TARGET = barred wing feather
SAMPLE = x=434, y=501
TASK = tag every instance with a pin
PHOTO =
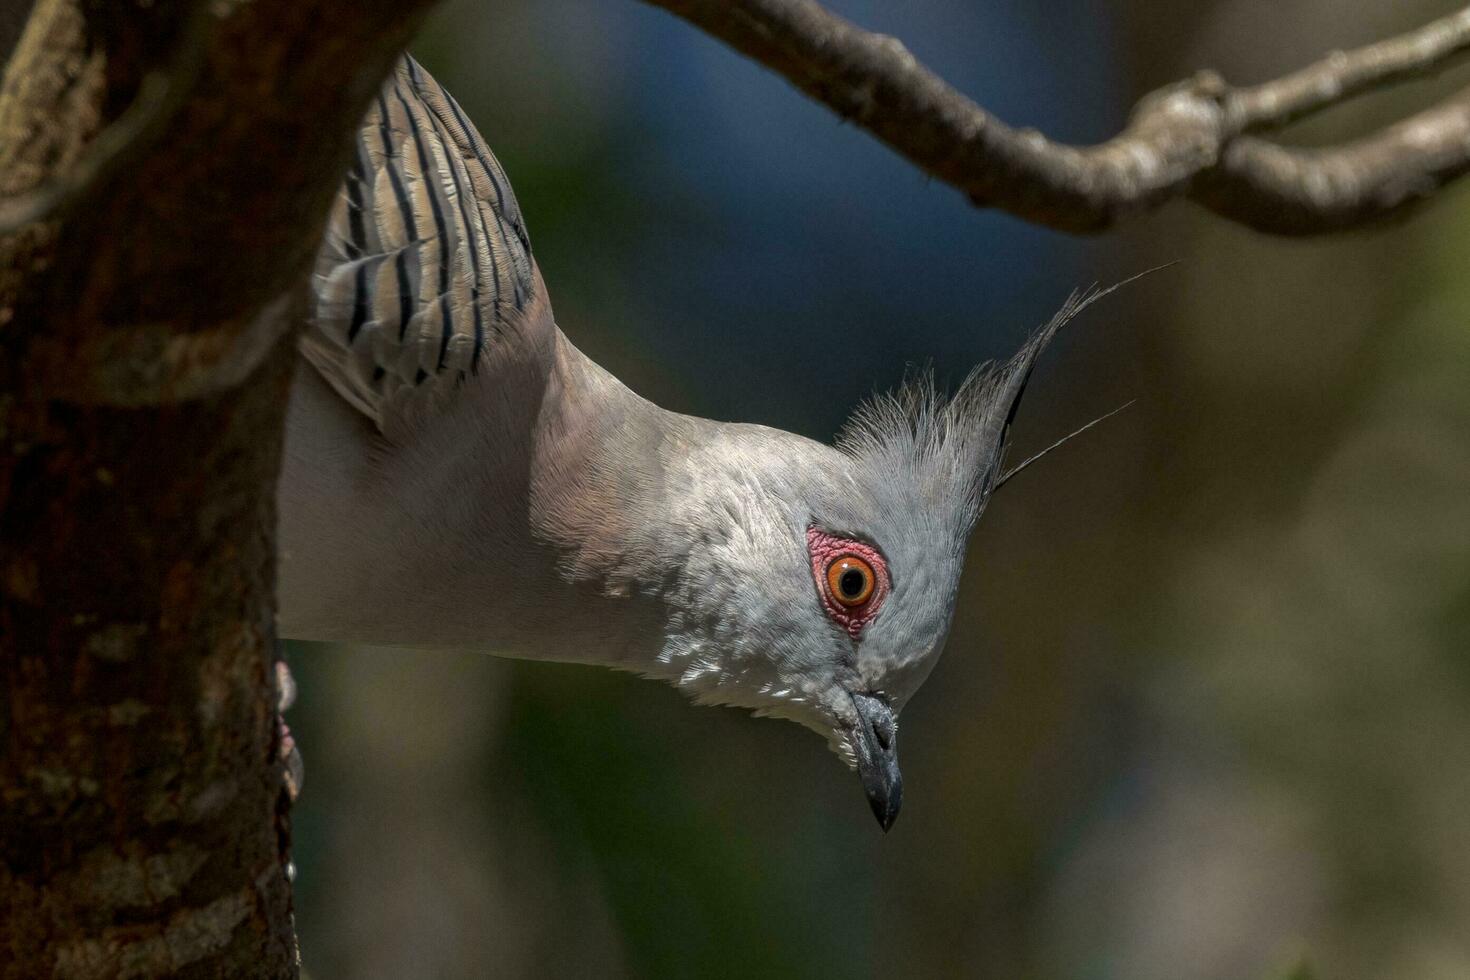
x=425, y=259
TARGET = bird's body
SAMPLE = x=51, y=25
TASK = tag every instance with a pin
x=432, y=392
x=458, y=474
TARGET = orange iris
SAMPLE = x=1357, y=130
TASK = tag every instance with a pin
x=850, y=580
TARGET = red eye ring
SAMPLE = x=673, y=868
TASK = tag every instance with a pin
x=852, y=604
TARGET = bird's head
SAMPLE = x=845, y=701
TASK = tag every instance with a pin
x=818, y=583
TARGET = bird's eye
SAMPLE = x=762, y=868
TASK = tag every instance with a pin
x=851, y=577
x=851, y=580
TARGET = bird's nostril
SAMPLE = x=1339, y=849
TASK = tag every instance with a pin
x=876, y=716
x=885, y=736
x=883, y=725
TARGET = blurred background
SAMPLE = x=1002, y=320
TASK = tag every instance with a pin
x=1205, y=709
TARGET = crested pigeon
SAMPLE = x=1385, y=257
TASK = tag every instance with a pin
x=458, y=475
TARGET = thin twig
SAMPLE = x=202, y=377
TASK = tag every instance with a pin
x=1188, y=140
x=1293, y=191
x=1343, y=75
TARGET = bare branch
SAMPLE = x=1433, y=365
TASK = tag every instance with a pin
x=1293, y=191
x=1187, y=140
x=1341, y=75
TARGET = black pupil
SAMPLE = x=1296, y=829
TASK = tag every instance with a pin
x=851, y=583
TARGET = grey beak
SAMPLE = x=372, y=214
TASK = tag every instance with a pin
x=875, y=742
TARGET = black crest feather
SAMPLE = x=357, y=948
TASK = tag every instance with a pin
x=954, y=445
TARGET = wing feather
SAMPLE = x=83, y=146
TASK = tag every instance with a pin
x=425, y=256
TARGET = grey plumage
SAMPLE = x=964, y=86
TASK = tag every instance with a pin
x=459, y=475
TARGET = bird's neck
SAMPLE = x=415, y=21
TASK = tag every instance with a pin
x=606, y=491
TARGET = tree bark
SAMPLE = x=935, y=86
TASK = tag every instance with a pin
x=145, y=350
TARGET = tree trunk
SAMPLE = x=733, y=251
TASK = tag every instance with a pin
x=145, y=350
